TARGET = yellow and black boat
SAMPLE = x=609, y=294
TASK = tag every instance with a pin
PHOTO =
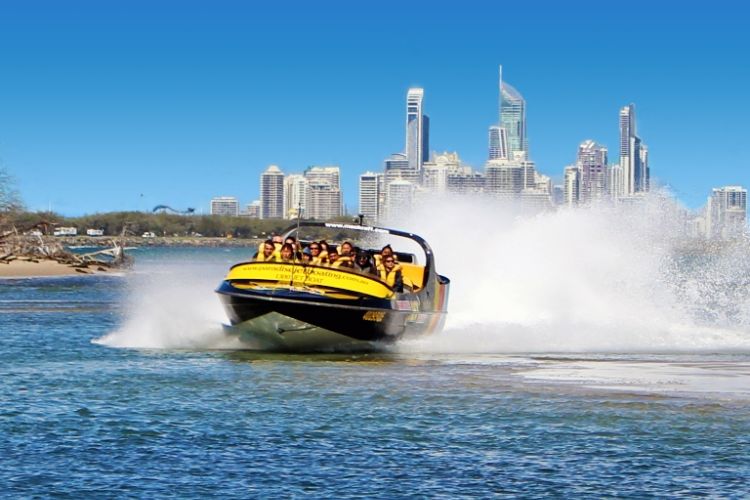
x=306, y=307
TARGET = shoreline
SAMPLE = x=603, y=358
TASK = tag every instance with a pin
x=158, y=241
x=48, y=268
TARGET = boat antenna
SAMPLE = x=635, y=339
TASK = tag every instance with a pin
x=294, y=255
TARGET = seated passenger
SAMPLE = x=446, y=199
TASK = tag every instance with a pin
x=295, y=245
x=268, y=252
x=346, y=249
x=306, y=256
x=333, y=256
x=385, y=251
x=390, y=272
x=323, y=250
x=336, y=260
x=363, y=263
x=287, y=253
x=316, y=257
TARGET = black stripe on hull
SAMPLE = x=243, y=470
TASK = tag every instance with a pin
x=367, y=320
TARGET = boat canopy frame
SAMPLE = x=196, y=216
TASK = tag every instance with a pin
x=429, y=259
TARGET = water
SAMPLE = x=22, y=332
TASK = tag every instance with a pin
x=127, y=386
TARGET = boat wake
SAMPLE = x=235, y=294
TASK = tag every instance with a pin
x=604, y=280
x=598, y=280
x=173, y=306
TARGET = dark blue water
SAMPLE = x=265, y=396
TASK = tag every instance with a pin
x=83, y=418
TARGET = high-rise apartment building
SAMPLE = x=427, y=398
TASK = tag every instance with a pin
x=272, y=193
x=225, y=205
x=417, y=130
x=592, y=165
x=324, y=201
x=504, y=179
x=633, y=155
x=369, y=196
x=572, y=185
x=726, y=212
x=295, y=196
x=324, y=198
x=400, y=198
x=513, y=117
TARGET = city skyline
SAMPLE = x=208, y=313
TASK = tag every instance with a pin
x=148, y=104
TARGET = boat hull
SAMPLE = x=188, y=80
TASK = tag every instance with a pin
x=287, y=319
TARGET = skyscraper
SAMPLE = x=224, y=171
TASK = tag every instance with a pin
x=498, y=143
x=295, y=196
x=727, y=212
x=272, y=193
x=324, y=198
x=592, y=164
x=633, y=155
x=571, y=185
x=369, y=196
x=513, y=117
x=417, y=130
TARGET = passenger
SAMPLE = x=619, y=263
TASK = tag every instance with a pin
x=333, y=256
x=287, y=253
x=277, y=242
x=323, y=250
x=385, y=251
x=344, y=260
x=306, y=256
x=316, y=258
x=390, y=272
x=363, y=263
x=346, y=249
x=268, y=252
x=295, y=245
x=337, y=260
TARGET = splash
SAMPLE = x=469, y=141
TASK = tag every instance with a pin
x=599, y=280
x=605, y=279
x=173, y=306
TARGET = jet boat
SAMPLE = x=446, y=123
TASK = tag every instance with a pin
x=304, y=307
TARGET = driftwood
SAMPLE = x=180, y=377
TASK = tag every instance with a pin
x=35, y=248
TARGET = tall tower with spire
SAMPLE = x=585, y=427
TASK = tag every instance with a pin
x=512, y=117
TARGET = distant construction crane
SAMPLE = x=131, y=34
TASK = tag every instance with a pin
x=164, y=209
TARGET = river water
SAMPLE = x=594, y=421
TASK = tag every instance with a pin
x=127, y=386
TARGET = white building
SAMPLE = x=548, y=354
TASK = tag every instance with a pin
x=369, y=196
x=592, y=167
x=726, y=212
x=272, y=193
x=417, y=130
x=324, y=201
x=324, y=198
x=571, y=185
x=400, y=198
x=225, y=205
x=295, y=195
x=252, y=210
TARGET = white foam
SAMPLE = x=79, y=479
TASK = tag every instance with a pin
x=585, y=280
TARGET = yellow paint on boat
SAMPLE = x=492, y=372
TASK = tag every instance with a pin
x=283, y=274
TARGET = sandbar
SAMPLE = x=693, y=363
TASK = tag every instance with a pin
x=43, y=268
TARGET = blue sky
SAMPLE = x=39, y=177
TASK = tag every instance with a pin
x=124, y=105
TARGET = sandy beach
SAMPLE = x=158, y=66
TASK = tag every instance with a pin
x=42, y=268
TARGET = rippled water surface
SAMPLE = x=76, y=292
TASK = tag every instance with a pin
x=81, y=415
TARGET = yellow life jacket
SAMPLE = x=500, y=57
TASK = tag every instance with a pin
x=343, y=262
x=275, y=256
x=389, y=277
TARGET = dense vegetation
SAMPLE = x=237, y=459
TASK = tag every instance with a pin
x=137, y=223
